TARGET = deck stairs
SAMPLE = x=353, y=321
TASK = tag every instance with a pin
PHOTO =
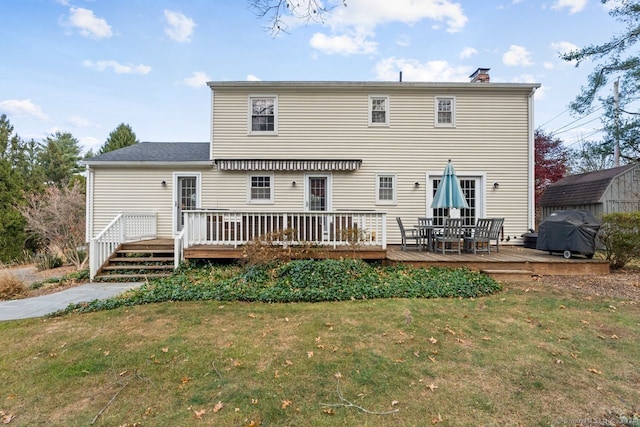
x=138, y=261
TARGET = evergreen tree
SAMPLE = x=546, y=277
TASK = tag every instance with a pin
x=617, y=59
x=12, y=224
x=59, y=158
x=120, y=137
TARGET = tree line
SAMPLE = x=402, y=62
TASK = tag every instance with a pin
x=42, y=192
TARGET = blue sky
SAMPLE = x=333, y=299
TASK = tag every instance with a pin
x=85, y=66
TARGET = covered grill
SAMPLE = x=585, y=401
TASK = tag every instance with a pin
x=568, y=232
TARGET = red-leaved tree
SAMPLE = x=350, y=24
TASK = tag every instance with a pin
x=551, y=159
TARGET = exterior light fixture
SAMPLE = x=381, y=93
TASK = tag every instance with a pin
x=496, y=185
x=416, y=184
x=293, y=183
x=164, y=183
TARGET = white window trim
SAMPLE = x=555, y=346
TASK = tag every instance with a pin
x=387, y=112
x=250, y=111
x=395, y=189
x=453, y=111
x=271, y=199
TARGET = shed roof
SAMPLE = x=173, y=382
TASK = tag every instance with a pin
x=582, y=189
x=155, y=152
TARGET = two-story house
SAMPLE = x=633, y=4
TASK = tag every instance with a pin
x=323, y=148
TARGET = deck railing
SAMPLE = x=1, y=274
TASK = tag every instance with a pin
x=126, y=227
x=339, y=228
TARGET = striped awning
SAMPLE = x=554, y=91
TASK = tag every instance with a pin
x=288, y=164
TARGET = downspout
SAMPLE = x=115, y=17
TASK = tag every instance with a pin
x=532, y=177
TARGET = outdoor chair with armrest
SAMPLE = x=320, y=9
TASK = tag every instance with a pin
x=452, y=235
x=494, y=233
x=409, y=234
x=479, y=240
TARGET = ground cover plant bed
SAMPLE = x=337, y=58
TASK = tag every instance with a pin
x=534, y=354
x=302, y=281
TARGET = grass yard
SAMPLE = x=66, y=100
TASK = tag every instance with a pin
x=529, y=355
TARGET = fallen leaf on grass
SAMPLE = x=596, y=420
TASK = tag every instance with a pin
x=309, y=354
x=394, y=403
x=595, y=371
x=199, y=414
x=436, y=420
x=165, y=349
x=217, y=406
x=328, y=411
x=285, y=404
x=251, y=315
x=6, y=418
x=432, y=387
x=288, y=362
x=433, y=340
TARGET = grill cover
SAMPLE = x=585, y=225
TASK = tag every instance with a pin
x=571, y=230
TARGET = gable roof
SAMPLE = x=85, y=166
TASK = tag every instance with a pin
x=155, y=153
x=582, y=189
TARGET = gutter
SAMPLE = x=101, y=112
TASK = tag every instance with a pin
x=532, y=178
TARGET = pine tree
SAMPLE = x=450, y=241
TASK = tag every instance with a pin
x=120, y=137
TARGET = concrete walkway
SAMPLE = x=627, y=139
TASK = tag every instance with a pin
x=46, y=304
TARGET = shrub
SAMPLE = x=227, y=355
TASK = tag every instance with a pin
x=10, y=286
x=620, y=235
x=303, y=281
x=45, y=261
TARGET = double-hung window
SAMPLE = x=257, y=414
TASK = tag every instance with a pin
x=445, y=107
x=378, y=110
x=263, y=112
x=385, y=189
x=261, y=189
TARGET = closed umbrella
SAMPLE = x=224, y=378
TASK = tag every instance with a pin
x=449, y=193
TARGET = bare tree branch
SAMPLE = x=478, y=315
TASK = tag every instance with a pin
x=276, y=12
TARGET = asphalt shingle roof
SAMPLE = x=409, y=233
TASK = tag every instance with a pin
x=582, y=189
x=157, y=152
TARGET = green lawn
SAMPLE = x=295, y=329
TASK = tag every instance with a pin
x=528, y=355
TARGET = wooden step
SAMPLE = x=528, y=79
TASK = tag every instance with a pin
x=130, y=277
x=506, y=275
x=142, y=259
x=139, y=267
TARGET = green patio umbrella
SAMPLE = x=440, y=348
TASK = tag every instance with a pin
x=449, y=193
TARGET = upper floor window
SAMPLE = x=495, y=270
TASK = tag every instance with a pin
x=379, y=110
x=264, y=111
x=261, y=188
x=445, y=111
x=385, y=189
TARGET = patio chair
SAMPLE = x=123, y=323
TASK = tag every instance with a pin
x=451, y=236
x=409, y=234
x=425, y=228
x=494, y=233
x=479, y=240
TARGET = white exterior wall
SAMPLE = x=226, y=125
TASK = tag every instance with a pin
x=131, y=189
x=491, y=140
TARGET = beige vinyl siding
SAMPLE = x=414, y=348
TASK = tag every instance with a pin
x=491, y=137
x=119, y=190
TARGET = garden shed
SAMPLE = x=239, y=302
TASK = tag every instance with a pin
x=600, y=192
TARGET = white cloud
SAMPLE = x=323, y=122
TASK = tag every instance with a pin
x=574, y=6
x=79, y=122
x=252, y=78
x=517, y=56
x=179, y=28
x=468, y=52
x=24, y=107
x=344, y=44
x=117, y=67
x=371, y=13
x=563, y=47
x=413, y=70
x=403, y=41
x=197, y=79
x=88, y=24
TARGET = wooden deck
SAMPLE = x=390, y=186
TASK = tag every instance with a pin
x=512, y=263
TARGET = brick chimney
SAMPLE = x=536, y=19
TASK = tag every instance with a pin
x=481, y=75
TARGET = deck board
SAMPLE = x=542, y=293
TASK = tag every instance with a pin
x=528, y=262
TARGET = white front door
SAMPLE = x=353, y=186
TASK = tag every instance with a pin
x=187, y=197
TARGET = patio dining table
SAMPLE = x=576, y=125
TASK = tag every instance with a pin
x=428, y=232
